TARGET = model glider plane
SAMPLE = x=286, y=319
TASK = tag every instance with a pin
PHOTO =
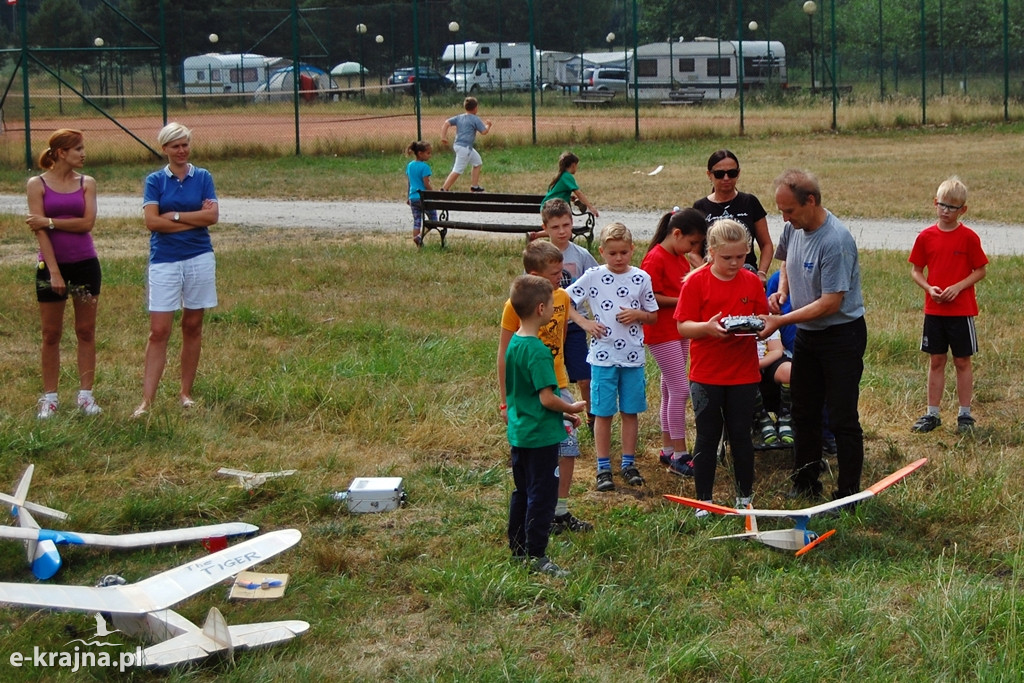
x=41, y=544
x=143, y=609
x=799, y=538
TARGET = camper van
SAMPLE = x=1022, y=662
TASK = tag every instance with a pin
x=708, y=66
x=488, y=66
x=224, y=73
x=764, y=63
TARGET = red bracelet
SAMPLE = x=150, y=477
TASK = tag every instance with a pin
x=503, y=406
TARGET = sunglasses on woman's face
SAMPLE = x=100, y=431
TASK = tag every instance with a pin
x=732, y=173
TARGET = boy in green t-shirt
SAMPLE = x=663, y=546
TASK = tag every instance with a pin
x=535, y=426
x=544, y=259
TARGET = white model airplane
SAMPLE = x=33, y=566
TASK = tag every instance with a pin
x=799, y=538
x=143, y=609
x=250, y=480
x=41, y=544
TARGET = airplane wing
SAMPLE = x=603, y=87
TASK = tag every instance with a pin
x=266, y=633
x=157, y=592
x=803, y=512
x=138, y=540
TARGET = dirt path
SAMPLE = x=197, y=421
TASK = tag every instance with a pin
x=394, y=217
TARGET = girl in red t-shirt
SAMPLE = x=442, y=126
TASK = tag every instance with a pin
x=679, y=233
x=724, y=372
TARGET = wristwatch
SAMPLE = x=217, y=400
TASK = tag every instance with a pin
x=50, y=226
x=177, y=217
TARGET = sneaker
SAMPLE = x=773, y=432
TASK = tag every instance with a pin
x=476, y=188
x=682, y=467
x=88, y=406
x=605, y=481
x=828, y=445
x=665, y=459
x=632, y=475
x=568, y=522
x=417, y=240
x=701, y=514
x=47, y=408
x=542, y=565
x=767, y=429
x=743, y=502
x=786, y=429
x=927, y=423
x=964, y=424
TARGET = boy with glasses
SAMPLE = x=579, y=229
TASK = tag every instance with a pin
x=951, y=254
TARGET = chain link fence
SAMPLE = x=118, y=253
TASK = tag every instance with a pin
x=232, y=76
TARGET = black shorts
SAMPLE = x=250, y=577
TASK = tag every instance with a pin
x=954, y=333
x=82, y=279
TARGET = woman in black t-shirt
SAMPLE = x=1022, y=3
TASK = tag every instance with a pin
x=725, y=201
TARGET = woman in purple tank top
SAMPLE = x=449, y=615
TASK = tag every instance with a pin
x=61, y=213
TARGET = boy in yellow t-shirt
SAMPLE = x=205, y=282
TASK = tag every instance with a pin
x=545, y=260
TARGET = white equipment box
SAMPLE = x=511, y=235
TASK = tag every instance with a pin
x=375, y=494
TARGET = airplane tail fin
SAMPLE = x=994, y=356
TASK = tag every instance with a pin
x=751, y=522
x=18, y=502
x=216, y=629
x=21, y=492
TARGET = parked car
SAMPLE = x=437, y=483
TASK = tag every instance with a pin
x=431, y=82
x=605, y=78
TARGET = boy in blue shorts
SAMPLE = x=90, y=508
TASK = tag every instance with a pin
x=535, y=414
x=951, y=253
x=621, y=299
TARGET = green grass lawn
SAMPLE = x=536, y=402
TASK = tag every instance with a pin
x=346, y=356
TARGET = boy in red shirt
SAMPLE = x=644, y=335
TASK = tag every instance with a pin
x=952, y=255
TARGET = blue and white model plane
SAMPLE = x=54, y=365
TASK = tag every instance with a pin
x=41, y=544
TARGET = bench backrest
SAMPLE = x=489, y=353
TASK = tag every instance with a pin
x=492, y=202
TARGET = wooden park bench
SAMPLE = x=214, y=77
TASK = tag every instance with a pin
x=592, y=98
x=446, y=203
x=684, y=96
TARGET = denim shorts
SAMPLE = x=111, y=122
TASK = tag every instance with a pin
x=616, y=389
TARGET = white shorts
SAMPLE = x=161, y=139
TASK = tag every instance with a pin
x=191, y=284
x=466, y=156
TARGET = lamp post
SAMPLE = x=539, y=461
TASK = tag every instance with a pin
x=380, y=60
x=810, y=7
x=98, y=42
x=453, y=27
x=361, y=30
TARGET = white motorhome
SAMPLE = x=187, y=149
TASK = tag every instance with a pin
x=214, y=73
x=489, y=66
x=707, y=65
x=764, y=63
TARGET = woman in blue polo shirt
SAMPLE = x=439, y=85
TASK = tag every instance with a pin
x=179, y=204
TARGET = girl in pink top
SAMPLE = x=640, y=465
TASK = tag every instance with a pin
x=61, y=213
x=678, y=234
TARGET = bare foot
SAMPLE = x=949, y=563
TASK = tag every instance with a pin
x=187, y=402
x=141, y=410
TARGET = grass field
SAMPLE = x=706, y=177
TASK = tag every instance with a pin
x=345, y=356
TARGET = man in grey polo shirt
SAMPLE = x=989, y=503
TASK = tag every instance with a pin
x=820, y=276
